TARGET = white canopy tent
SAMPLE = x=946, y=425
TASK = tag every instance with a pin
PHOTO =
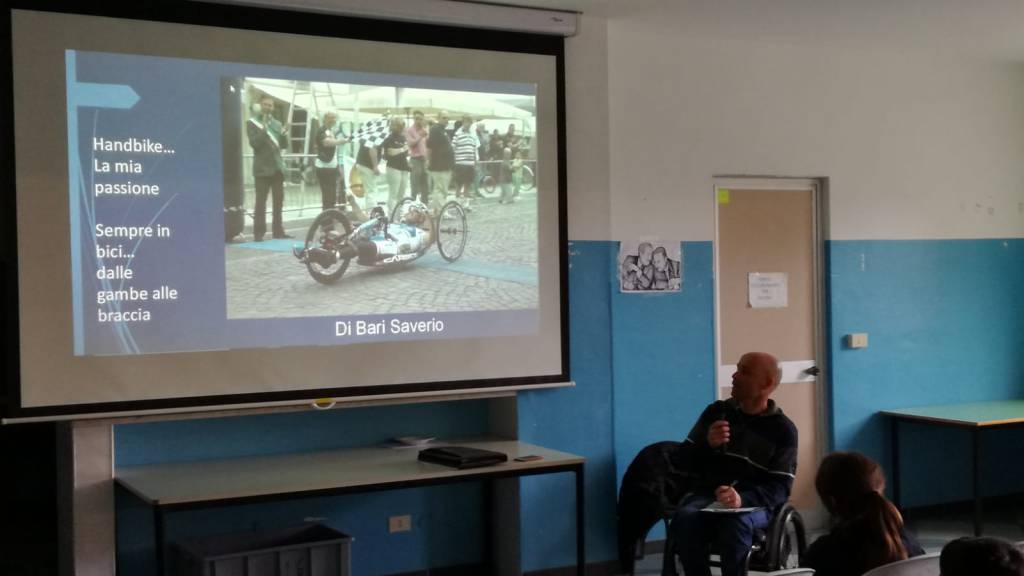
x=359, y=103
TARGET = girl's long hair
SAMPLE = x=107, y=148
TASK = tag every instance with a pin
x=851, y=486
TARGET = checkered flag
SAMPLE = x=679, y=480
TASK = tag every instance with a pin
x=373, y=132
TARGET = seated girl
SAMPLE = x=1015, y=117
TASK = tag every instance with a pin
x=868, y=530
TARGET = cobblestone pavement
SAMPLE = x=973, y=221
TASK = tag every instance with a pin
x=497, y=271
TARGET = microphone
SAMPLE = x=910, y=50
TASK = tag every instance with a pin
x=723, y=415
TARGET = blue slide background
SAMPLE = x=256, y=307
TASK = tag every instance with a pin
x=178, y=105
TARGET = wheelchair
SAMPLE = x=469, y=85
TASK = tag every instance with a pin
x=780, y=546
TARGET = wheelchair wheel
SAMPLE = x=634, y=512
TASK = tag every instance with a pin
x=529, y=180
x=327, y=234
x=452, y=231
x=787, y=540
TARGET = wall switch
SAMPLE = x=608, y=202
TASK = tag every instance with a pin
x=399, y=523
x=858, y=340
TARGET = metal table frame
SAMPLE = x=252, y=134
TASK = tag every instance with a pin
x=974, y=417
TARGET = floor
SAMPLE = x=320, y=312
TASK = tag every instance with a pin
x=933, y=527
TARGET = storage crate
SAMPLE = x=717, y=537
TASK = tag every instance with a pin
x=311, y=550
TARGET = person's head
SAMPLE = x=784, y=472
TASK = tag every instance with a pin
x=442, y=119
x=467, y=122
x=851, y=487
x=416, y=214
x=644, y=253
x=756, y=377
x=330, y=119
x=506, y=153
x=397, y=125
x=511, y=129
x=982, y=555
x=266, y=104
x=417, y=117
x=660, y=258
x=844, y=479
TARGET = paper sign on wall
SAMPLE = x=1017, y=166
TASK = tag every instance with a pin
x=768, y=289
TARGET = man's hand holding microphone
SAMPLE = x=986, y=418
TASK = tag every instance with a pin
x=718, y=437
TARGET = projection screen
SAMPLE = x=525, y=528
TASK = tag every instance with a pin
x=236, y=205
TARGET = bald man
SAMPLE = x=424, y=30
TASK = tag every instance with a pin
x=745, y=456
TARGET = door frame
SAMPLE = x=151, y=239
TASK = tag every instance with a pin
x=819, y=219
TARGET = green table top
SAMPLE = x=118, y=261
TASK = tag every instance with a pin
x=980, y=414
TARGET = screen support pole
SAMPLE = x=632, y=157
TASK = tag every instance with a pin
x=85, y=469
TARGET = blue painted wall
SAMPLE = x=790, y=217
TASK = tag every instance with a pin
x=577, y=420
x=664, y=358
x=945, y=320
x=189, y=440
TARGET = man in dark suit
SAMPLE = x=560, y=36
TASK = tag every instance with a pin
x=267, y=137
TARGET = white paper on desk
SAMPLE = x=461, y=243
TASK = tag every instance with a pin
x=718, y=508
x=408, y=442
x=414, y=440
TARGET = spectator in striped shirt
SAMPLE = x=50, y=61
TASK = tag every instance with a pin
x=465, y=146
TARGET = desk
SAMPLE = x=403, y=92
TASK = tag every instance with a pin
x=974, y=417
x=189, y=485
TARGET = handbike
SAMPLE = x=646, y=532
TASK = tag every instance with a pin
x=332, y=242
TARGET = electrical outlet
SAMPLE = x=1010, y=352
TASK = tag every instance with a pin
x=859, y=340
x=399, y=523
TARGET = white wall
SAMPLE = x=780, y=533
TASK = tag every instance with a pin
x=920, y=136
x=586, y=96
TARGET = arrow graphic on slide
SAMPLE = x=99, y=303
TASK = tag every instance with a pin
x=84, y=95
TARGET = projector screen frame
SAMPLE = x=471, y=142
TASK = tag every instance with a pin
x=275, y=21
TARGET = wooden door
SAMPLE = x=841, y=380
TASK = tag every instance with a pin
x=768, y=272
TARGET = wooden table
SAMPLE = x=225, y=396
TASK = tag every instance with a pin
x=190, y=485
x=974, y=417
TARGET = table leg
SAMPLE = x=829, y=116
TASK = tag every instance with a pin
x=975, y=475
x=581, y=558
x=158, y=528
x=894, y=471
x=491, y=515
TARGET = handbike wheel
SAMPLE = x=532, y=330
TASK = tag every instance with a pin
x=452, y=231
x=328, y=232
x=400, y=209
